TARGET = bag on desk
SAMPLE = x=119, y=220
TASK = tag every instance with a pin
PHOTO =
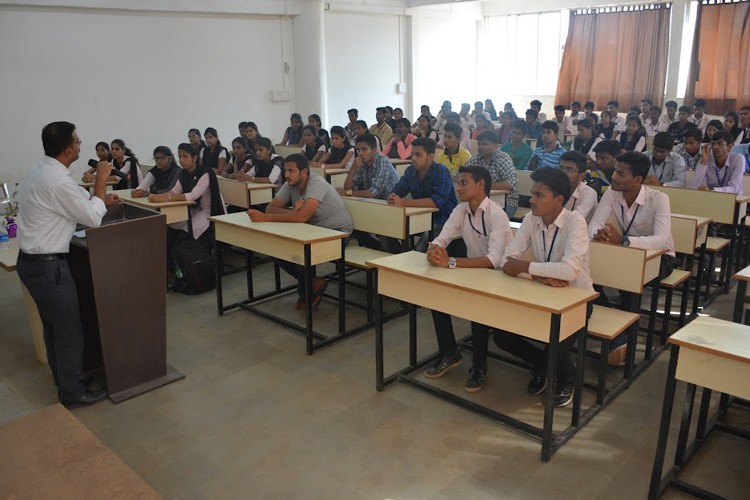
x=194, y=270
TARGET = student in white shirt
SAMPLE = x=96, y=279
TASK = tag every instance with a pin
x=465, y=139
x=485, y=230
x=613, y=107
x=653, y=123
x=631, y=214
x=536, y=105
x=699, y=117
x=583, y=199
x=214, y=155
x=670, y=115
x=667, y=167
x=563, y=122
x=162, y=177
x=719, y=169
x=125, y=161
x=559, y=241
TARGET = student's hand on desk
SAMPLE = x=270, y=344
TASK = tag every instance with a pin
x=137, y=193
x=603, y=234
x=550, y=281
x=88, y=177
x=158, y=198
x=514, y=266
x=256, y=215
x=112, y=199
x=437, y=256
x=395, y=200
x=703, y=188
x=652, y=180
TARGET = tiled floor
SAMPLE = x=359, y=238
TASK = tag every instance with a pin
x=257, y=418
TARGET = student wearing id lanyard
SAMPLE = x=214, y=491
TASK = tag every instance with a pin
x=583, y=199
x=485, y=229
x=667, y=168
x=643, y=219
x=560, y=244
x=719, y=169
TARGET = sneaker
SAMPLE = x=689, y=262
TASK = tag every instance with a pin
x=564, y=393
x=477, y=377
x=538, y=380
x=443, y=364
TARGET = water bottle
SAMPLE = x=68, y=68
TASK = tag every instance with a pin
x=3, y=239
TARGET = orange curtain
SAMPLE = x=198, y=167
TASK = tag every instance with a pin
x=615, y=53
x=721, y=75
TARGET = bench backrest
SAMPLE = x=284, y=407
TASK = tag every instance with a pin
x=617, y=267
x=523, y=178
x=377, y=218
x=233, y=192
x=718, y=206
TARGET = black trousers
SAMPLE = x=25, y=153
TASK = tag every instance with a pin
x=447, y=340
x=54, y=291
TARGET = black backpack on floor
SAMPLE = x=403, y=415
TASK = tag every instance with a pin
x=194, y=271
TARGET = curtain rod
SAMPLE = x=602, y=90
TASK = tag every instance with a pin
x=620, y=8
x=722, y=2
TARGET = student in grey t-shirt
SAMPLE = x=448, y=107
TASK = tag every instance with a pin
x=313, y=201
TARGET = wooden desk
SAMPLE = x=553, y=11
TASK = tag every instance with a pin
x=90, y=185
x=244, y=194
x=715, y=355
x=302, y=244
x=498, y=196
x=285, y=151
x=492, y=298
x=176, y=211
x=524, y=182
x=689, y=233
x=377, y=217
x=334, y=176
x=740, y=300
x=8, y=260
x=401, y=166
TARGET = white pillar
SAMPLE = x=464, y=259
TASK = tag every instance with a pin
x=310, y=87
x=680, y=11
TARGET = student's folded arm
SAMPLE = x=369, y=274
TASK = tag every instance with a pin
x=520, y=243
x=146, y=182
x=574, y=257
x=499, y=240
x=451, y=229
x=601, y=216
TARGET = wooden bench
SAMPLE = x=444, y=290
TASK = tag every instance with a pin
x=523, y=183
x=359, y=258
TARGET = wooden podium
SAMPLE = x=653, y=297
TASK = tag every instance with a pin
x=120, y=273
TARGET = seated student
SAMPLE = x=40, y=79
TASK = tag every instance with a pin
x=388, y=115
x=670, y=115
x=699, y=118
x=372, y=175
x=398, y=114
x=478, y=111
x=633, y=138
x=312, y=200
x=508, y=108
x=643, y=219
x=267, y=166
x=583, y=198
x=645, y=111
x=744, y=135
x=314, y=121
x=548, y=154
x=533, y=127
x=520, y=152
x=536, y=105
x=424, y=128
x=465, y=139
x=563, y=122
x=240, y=160
x=424, y=110
x=681, y=125
x=719, y=169
x=429, y=184
x=381, y=128
x=194, y=138
x=464, y=115
x=744, y=151
x=489, y=107
x=667, y=168
x=586, y=141
x=442, y=116
x=399, y=148
x=505, y=131
x=501, y=168
x=560, y=244
x=575, y=113
x=600, y=177
x=452, y=155
x=293, y=133
x=252, y=135
x=690, y=149
x=613, y=107
x=485, y=229
x=125, y=161
x=481, y=123
x=731, y=123
x=341, y=154
x=198, y=184
x=242, y=127
x=103, y=154
x=161, y=178
x=214, y=155
x=607, y=128
x=312, y=145
x=653, y=123
x=351, y=132
x=361, y=129
x=588, y=109
x=712, y=127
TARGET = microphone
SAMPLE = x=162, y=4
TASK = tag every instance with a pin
x=115, y=172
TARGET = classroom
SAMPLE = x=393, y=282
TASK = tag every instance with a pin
x=388, y=249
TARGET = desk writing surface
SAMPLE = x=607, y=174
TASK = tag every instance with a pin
x=9, y=257
x=409, y=210
x=400, y=162
x=88, y=185
x=294, y=231
x=715, y=336
x=244, y=193
x=125, y=196
x=700, y=221
x=743, y=275
x=491, y=283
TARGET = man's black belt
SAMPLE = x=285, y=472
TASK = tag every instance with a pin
x=40, y=257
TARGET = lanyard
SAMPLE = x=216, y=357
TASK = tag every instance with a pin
x=544, y=242
x=721, y=181
x=622, y=211
x=663, y=165
x=575, y=200
x=484, y=228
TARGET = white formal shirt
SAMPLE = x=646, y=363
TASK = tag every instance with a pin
x=486, y=232
x=664, y=119
x=727, y=179
x=50, y=206
x=653, y=129
x=671, y=171
x=648, y=222
x=561, y=251
x=583, y=200
x=701, y=122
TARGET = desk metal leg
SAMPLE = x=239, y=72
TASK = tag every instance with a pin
x=700, y=432
x=739, y=301
x=379, y=385
x=412, y=335
x=342, y=291
x=248, y=274
x=652, y=319
x=655, y=486
x=699, y=278
x=634, y=306
x=687, y=416
x=219, y=255
x=308, y=300
x=549, y=394
x=580, y=360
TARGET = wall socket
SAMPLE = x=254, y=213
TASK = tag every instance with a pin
x=401, y=88
x=281, y=95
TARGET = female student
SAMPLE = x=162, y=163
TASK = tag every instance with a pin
x=125, y=161
x=194, y=138
x=198, y=184
x=103, y=154
x=490, y=108
x=240, y=161
x=313, y=147
x=314, y=120
x=505, y=131
x=480, y=125
x=731, y=124
x=214, y=155
x=293, y=133
x=607, y=128
x=711, y=128
x=267, y=166
x=251, y=135
x=161, y=178
x=424, y=128
x=341, y=154
x=634, y=136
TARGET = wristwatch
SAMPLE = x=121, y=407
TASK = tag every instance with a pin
x=452, y=263
x=625, y=241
